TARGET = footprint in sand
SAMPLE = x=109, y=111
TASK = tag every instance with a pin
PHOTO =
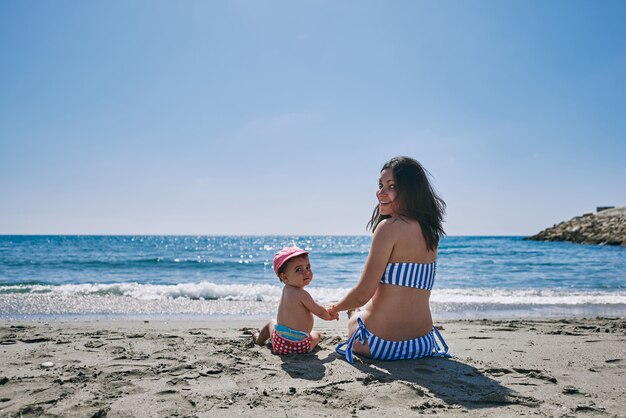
x=35, y=340
x=94, y=344
x=532, y=373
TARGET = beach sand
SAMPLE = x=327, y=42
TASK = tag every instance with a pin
x=568, y=367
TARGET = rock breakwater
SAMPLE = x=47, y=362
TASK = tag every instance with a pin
x=607, y=227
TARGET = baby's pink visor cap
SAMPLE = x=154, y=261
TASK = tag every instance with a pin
x=285, y=255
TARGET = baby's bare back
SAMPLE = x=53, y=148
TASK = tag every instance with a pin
x=292, y=312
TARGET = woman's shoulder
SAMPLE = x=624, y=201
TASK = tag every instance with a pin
x=407, y=237
x=398, y=224
x=386, y=227
x=390, y=231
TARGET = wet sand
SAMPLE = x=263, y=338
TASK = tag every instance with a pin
x=554, y=367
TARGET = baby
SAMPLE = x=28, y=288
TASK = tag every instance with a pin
x=292, y=332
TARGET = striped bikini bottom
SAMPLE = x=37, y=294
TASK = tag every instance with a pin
x=395, y=350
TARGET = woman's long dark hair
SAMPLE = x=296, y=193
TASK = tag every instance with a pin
x=416, y=200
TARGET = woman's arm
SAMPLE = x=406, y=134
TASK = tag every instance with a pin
x=380, y=251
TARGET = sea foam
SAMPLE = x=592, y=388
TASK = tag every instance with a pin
x=271, y=293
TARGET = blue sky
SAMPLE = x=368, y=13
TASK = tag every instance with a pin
x=246, y=117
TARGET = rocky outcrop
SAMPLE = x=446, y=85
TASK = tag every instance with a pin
x=607, y=227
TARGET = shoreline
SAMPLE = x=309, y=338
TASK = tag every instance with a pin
x=209, y=367
x=530, y=313
x=27, y=306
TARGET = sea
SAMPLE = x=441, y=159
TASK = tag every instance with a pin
x=169, y=277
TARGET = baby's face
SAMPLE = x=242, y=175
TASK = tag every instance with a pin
x=298, y=272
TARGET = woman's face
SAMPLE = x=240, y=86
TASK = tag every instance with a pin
x=386, y=193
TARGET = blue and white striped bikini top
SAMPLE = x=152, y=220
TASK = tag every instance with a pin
x=419, y=276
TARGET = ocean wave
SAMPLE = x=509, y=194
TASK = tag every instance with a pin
x=202, y=290
x=271, y=293
x=194, y=291
x=527, y=297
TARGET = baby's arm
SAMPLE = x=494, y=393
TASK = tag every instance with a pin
x=317, y=309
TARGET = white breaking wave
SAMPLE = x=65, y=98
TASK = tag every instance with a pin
x=202, y=290
x=271, y=293
x=527, y=297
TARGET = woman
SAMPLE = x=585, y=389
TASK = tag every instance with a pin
x=399, y=272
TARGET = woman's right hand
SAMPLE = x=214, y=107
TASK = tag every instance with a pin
x=333, y=311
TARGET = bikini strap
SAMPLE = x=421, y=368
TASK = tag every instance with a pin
x=361, y=333
x=438, y=351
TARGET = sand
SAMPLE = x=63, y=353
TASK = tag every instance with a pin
x=569, y=367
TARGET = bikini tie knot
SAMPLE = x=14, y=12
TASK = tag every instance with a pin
x=360, y=334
